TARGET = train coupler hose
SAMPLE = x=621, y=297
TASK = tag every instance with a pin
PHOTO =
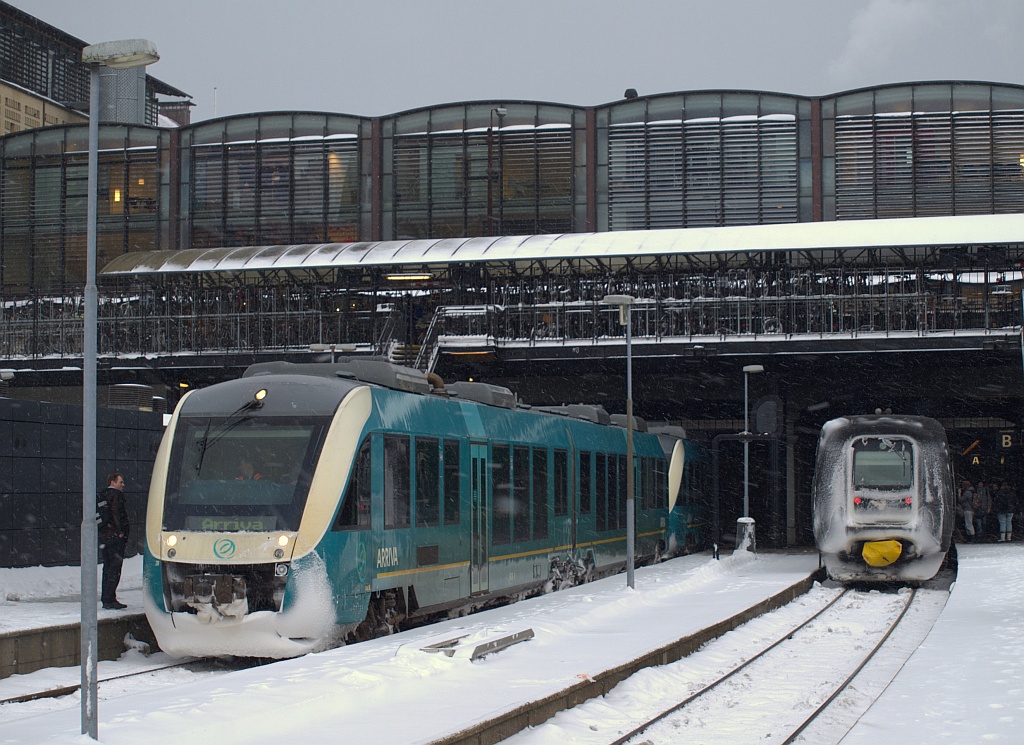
x=881, y=553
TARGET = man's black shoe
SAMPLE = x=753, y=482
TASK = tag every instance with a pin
x=116, y=605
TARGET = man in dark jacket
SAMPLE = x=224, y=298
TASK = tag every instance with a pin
x=113, y=531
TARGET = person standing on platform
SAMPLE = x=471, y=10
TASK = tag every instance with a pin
x=114, y=528
x=1004, y=503
x=982, y=508
x=965, y=500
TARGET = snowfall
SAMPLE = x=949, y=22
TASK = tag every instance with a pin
x=963, y=681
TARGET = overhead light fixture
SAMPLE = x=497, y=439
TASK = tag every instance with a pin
x=121, y=55
x=410, y=277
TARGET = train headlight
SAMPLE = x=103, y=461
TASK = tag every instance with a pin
x=172, y=540
x=171, y=553
x=282, y=541
x=281, y=570
x=279, y=554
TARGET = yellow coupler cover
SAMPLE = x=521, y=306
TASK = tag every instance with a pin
x=881, y=553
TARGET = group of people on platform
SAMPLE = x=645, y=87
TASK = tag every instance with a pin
x=976, y=503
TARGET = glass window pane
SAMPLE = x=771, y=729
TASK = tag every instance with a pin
x=452, y=482
x=501, y=489
x=397, y=491
x=428, y=475
x=540, y=493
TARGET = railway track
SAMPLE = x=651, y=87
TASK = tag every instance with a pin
x=199, y=665
x=757, y=700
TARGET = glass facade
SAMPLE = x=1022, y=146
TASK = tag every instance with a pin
x=691, y=159
x=43, y=195
x=703, y=160
x=482, y=169
x=274, y=178
x=923, y=150
x=45, y=63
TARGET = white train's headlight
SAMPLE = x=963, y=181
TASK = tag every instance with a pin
x=282, y=541
x=172, y=540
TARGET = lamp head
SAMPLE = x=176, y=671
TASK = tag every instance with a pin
x=121, y=55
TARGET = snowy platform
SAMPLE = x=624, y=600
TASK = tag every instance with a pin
x=584, y=640
x=40, y=615
x=965, y=683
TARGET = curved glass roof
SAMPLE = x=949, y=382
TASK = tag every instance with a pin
x=836, y=235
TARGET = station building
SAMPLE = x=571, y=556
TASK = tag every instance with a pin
x=439, y=225
x=674, y=160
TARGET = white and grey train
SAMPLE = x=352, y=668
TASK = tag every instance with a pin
x=884, y=498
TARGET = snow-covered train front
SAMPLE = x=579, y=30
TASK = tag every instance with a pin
x=304, y=502
x=884, y=499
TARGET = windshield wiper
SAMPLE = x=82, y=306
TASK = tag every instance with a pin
x=233, y=420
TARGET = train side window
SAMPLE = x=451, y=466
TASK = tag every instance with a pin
x=620, y=501
x=452, y=482
x=540, y=493
x=397, y=486
x=501, y=474
x=646, y=500
x=585, y=483
x=521, y=494
x=561, y=483
x=601, y=492
x=355, y=505
x=428, y=481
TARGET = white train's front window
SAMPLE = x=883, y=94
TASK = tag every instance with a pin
x=249, y=473
x=883, y=476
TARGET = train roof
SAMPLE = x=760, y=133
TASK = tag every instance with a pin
x=919, y=427
x=385, y=374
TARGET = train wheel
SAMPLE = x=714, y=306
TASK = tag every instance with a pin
x=383, y=617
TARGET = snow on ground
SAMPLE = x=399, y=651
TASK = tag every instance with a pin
x=964, y=684
x=37, y=597
x=359, y=689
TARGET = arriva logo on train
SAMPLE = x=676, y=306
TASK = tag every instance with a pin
x=387, y=556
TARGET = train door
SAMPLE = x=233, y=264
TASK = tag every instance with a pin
x=478, y=528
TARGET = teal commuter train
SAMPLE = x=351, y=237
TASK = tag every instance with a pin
x=304, y=504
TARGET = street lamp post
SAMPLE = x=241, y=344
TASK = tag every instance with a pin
x=118, y=55
x=625, y=305
x=500, y=111
x=748, y=370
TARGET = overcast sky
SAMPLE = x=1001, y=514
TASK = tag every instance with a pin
x=379, y=57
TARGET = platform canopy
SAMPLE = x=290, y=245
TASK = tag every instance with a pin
x=986, y=230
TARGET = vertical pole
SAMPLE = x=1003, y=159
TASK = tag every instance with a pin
x=89, y=634
x=630, y=496
x=746, y=450
x=488, y=219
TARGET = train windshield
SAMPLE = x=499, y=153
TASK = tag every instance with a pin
x=883, y=463
x=241, y=473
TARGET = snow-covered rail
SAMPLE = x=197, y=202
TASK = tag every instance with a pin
x=781, y=690
x=770, y=680
x=192, y=664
